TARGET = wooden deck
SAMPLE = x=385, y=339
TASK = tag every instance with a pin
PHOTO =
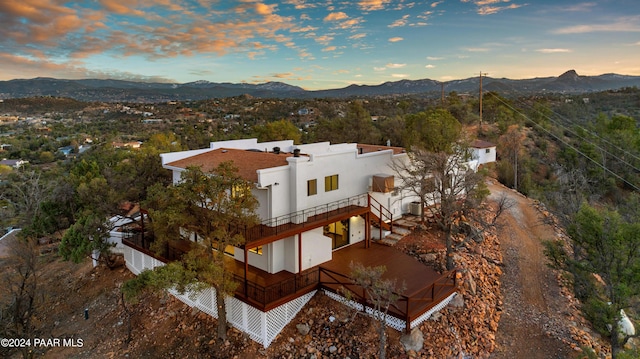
x=423, y=289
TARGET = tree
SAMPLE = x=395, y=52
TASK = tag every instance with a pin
x=380, y=293
x=87, y=238
x=25, y=191
x=510, y=145
x=205, y=208
x=604, y=266
x=446, y=186
x=277, y=131
x=354, y=126
x=21, y=288
x=435, y=130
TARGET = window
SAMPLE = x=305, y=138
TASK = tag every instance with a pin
x=331, y=183
x=240, y=190
x=256, y=250
x=488, y=150
x=312, y=187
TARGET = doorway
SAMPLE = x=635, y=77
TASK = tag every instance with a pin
x=338, y=232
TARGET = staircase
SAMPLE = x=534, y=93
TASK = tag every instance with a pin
x=382, y=218
x=401, y=228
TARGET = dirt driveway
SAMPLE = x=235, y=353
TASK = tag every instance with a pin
x=536, y=320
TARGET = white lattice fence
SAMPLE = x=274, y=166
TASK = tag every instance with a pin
x=393, y=322
x=260, y=326
x=137, y=261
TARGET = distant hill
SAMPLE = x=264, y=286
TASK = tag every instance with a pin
x=129, y=91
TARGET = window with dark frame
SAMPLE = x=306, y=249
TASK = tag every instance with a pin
x=312, y=187
x=331, y=183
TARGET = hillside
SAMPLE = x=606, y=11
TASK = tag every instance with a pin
x=128, y=91
x=515, y=308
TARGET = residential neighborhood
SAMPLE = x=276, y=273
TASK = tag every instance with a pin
x=392, y=218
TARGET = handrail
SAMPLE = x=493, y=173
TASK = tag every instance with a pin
x=388, y=214
x=277, y=225
x=276, y=291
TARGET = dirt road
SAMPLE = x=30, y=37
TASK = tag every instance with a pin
x=535, y=317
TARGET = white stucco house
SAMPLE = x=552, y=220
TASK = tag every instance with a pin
x=315, y=202
x=482, y=151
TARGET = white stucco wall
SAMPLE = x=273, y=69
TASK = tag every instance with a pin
x=483, y=157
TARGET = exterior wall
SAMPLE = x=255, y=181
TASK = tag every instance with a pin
x=354, y=177
x=283, y=254
x=483, y=157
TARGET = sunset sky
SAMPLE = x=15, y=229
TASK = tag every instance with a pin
x=316, y=44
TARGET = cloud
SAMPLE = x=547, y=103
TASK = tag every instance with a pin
x=371, y=5
x=623, y=24
x=335, y=16
x=400, y=22
x=489, y=7
x=429, y=66
x=357, y=36
x=399, y=76
x=329, y=48
x=396, y=39
x=395, y=66
x=324, y=40
x=16, y=66
x=378, y=69
x=477, y=49
x=553, y=51
x=282, y=75
x=436, y=3
x=300, y=4
x=433, y=58
x=581, y=7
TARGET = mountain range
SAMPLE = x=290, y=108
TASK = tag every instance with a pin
x=129, y=91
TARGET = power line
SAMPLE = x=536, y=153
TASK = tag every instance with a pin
x=569, y=145
x=606, y=151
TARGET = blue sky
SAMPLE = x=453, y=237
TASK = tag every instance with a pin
x=316, y=44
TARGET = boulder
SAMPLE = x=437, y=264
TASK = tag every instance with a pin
x=413, y=341
x=303, y=328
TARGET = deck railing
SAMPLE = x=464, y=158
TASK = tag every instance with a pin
x=383, y=214
x=265, y=295
x=407, y=306
x=301, y=219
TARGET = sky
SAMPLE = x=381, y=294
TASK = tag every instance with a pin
x=316, y=44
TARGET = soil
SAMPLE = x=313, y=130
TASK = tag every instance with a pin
x=529, y=316
x=535, y=322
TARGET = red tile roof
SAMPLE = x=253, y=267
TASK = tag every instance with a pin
x=247, y=161
x=481, y=144
x=374, y=148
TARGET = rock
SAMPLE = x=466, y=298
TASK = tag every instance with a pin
x=457, y=302
x=470, y=284
x=429, y=257
x=303, y=329
x=413, y=341
x=435, y=316
x=333, y=349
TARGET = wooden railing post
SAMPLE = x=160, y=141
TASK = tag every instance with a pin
x=407, y=319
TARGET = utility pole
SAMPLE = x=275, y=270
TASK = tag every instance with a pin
x=480, y=97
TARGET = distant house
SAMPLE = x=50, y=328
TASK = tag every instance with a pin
x=482, y=151
x=131, y=144
x=66, y=150
x=13, y=163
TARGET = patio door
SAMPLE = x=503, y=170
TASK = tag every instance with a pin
x=338, y=232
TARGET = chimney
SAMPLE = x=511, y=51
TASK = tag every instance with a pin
x=276, y=150
x=296, y=152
